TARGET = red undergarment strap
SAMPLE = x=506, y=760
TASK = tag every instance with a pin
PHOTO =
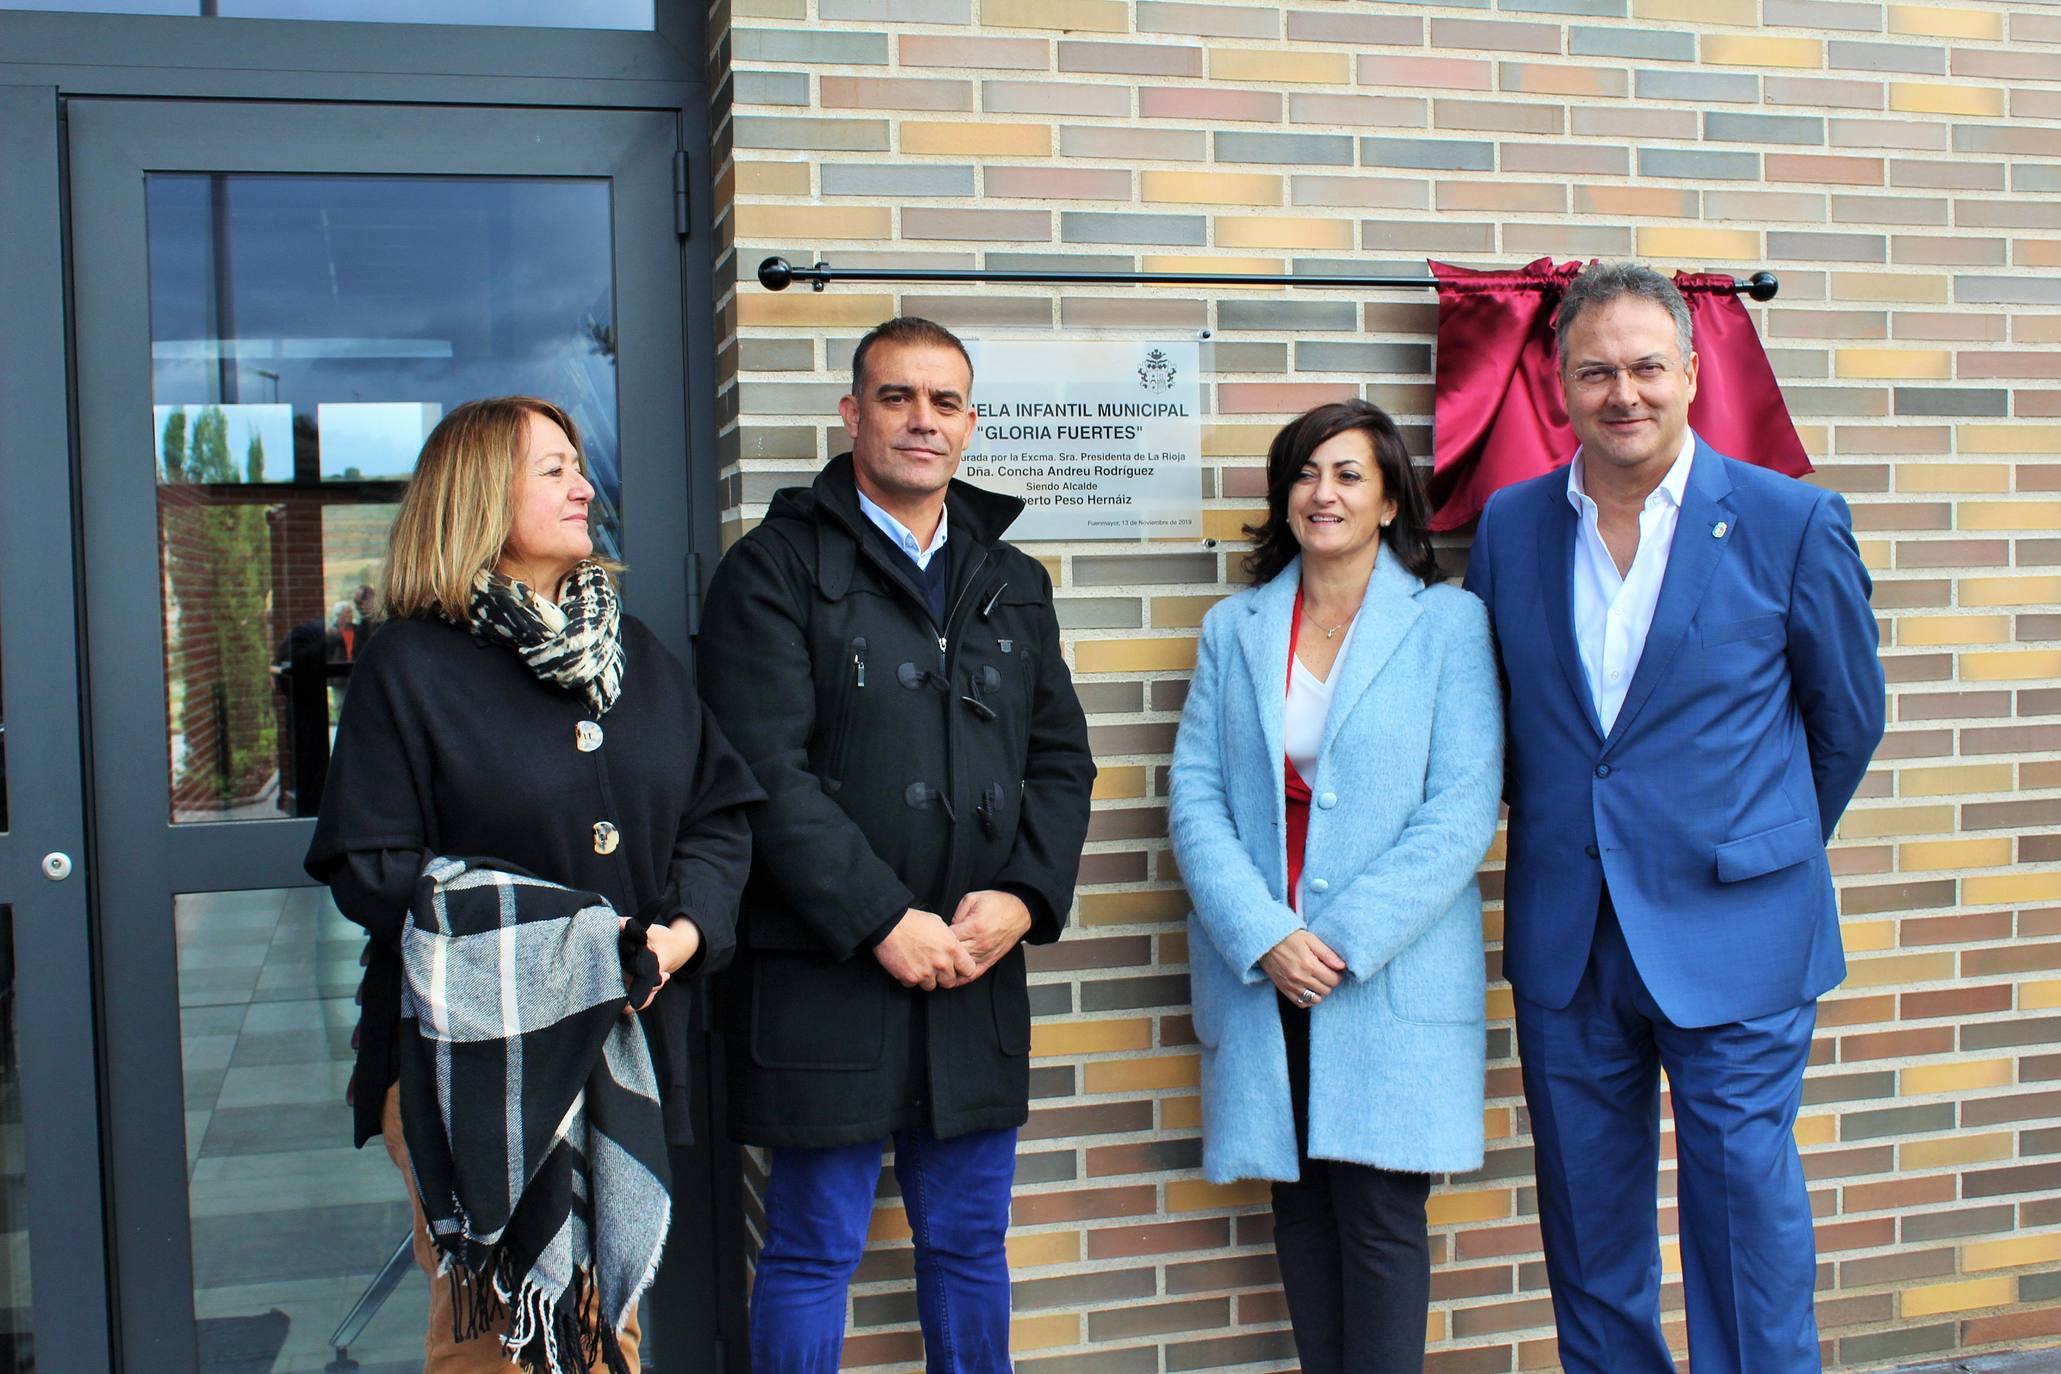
x=1294, y=789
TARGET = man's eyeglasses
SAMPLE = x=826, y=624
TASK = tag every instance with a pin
x=1596, y=377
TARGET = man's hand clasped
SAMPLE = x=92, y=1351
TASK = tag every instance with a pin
x=922, y=951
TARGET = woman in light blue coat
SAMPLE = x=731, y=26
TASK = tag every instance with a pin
x=1335, y=784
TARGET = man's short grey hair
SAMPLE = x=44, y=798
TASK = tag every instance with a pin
x=1603, y=282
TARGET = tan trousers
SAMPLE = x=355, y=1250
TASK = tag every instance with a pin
x=441, y=1354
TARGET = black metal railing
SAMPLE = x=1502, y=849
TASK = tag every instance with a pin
x=777, y=274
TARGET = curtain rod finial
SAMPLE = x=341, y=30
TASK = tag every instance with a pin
x=1762, y=286
x=777, y=274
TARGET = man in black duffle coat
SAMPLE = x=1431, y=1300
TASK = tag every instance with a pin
x=891, y=669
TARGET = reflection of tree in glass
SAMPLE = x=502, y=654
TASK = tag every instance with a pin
x=218, y=560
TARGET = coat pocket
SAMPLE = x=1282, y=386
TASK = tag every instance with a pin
x=1439, y=978
x=838, y=757
x=1009, y=995
x=1734, y=631
x=817, y=1015
x=1766, y=851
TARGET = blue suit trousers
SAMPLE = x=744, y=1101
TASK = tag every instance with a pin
x=819, y=1203
x=1591, y=1082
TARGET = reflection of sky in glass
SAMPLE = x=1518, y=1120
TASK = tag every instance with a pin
x=391, y=291
x=554, y=14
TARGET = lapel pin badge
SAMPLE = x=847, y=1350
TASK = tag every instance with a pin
x=1717, y=531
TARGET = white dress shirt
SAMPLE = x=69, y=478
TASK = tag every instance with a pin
x=1613, y=612
x=899, y=535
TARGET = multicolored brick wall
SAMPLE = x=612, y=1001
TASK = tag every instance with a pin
x=1899, y=167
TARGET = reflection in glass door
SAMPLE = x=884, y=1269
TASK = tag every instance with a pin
x=306, y=333
x=290, y=1224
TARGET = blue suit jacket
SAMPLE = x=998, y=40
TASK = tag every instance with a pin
x=1749, y=722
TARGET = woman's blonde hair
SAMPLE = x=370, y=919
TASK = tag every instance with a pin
x=460, y=506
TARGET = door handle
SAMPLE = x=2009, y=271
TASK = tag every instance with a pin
x=57, y=866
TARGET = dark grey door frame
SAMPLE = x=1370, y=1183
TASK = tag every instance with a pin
x=45, y=770
x=113, y=145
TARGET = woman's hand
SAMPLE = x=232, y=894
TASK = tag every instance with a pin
x=673, y=945
x=1303, y=967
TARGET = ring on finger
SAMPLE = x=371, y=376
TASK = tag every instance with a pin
x=1306, y=998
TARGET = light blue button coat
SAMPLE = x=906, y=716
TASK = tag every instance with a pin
x=1404, y=807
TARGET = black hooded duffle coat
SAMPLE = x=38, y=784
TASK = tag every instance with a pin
x=906, y=763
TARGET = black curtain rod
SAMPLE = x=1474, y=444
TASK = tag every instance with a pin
x=777, y=274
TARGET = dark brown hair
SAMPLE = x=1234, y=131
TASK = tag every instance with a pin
x=904, y=329
x=1408, y=536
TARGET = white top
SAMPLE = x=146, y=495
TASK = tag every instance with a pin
x=896, y=531
x=1302, y=719
x=1613, y=612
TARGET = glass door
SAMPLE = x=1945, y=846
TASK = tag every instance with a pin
x=274, y=305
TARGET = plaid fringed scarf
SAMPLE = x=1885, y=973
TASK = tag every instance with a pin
x=531, y=1113
x=576, y=643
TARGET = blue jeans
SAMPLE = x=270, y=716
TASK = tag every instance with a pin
x=818, y=1205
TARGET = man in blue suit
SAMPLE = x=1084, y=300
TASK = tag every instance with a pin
x=1693, y=695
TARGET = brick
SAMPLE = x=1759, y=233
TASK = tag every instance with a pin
x=1375, y=193
x=897, y=11
x=1441, y=73
x=1719, y=246
x=1428, y=154
x=1721, y=126
x=1034, y=140
x=1302, y=315
x=1277, y=231
x=815, y=135
x=1078, y=16
x=1944, y=21
x=936, y=222
x=1631, y=122
x=1211, y=21
x=1210, y=188
x=1739, y=50
x=811, y=47
x=1492, y=35
x=895, y=179
x=1917, y=97
x=1823, y=170
x=1544, y=78
x=1054, y=183
x=1914, y=135
x=1129, y=59
x=1890, y=209
x=1498, y=117
x=1767, y=206
x=1310, y=150
x=771, y=88
x=1660, y=83
x=1052, y=98
x=1098, y=226
x=1161, y=145
x=1966, y=1295
x=1807, y=246
x=1361, y=30
x=1822, y=92
x=1838, y=15
x=962, y=50
x=1886, y=57
x=1659, y=45
x=1740, y=13
x=1697, y=164
x=1277, y=67
x=1357, y=111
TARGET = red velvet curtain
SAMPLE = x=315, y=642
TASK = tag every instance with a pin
x=1500, y=417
